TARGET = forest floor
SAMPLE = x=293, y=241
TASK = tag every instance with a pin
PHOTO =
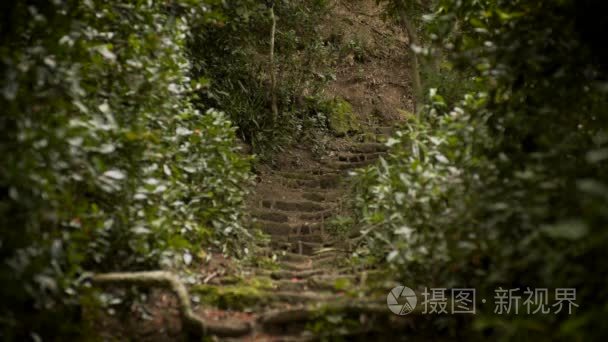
x=302, y=285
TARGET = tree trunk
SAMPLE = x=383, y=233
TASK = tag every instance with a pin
x=415, y=65
x=273, y=78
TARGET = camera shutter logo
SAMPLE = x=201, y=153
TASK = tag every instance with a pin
x=408, y=300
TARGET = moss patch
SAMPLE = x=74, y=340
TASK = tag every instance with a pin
x=340, y=117
x=240, y=295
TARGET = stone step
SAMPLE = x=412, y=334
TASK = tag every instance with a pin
x=293, y=216
x=349, y=165
x=301, y=206
x=320, y=196
x=267, y=215
x=307, y=174
x=317, y=238
x=318, y=216
x=311, y=195
x=385, y=130
x=325, y=183
x=293, y=257
x=303, y=247
x=353, y=157
x=367, y=148
x=296, y=266
x=224, y=296
x=283, y=229
x=375, y=308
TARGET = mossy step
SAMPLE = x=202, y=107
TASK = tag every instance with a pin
x=292, y=285
x=339, y=305
x=284, y=274
x=334, y=283
x=245, y=296
x=368, y=148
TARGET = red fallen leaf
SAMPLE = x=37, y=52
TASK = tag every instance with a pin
x=339, y=293
x=295, y=280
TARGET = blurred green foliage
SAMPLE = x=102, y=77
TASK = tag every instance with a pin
x=232, y=50
x=107, y=163
x=505, y=184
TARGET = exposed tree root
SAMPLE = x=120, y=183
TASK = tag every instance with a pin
x=192, y=324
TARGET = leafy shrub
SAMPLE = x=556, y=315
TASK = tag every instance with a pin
x=107, y=163
x=508, y=187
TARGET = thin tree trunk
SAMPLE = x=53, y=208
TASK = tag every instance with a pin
x=273, y=78
x=415, y=65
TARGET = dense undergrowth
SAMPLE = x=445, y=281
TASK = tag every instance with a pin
x=503, y=182
x=233, y=52
x=108, y=164
x=117, y=152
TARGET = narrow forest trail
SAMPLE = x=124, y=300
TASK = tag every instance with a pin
x=311, y=277
x=302, y=285
x=309, y=289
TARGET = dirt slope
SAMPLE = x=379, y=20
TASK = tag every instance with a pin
x=375, y=80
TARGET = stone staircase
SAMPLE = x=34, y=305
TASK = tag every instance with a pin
x=301, y=283
x=311, y=292
x=294, y=205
